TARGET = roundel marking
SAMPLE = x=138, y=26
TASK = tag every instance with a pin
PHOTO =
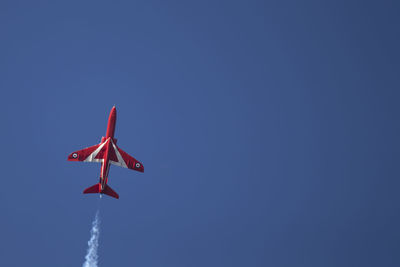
x=138, y=165
x=74, y=155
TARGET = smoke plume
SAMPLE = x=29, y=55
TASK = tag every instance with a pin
x=91, y=255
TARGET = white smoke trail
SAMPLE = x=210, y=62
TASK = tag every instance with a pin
x=91, y=254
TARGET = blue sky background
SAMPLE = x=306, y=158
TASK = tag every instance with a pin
x=268, y=131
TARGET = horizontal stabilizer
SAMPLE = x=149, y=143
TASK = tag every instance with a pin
x=93, y=189
x=108, y=191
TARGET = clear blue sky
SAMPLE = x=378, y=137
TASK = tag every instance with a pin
x=268, y=130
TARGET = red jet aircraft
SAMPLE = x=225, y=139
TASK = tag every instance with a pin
x=107, y=152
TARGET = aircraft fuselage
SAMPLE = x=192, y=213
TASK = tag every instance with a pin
x=105, y=165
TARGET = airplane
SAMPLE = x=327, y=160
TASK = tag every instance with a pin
x=107, y=152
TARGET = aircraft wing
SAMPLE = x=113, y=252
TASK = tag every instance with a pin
x=125, y=160
x=87, y=154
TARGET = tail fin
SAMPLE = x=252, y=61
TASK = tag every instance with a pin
x=97, y=189
x=93, y=189
x=108, y=191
